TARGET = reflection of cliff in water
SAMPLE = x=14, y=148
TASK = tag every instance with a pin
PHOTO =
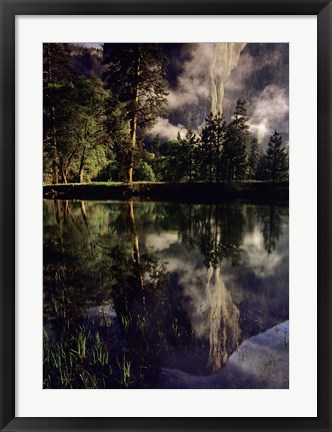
x=260, y=362
x=224, y=320
x=187, y=283
x=235, y=281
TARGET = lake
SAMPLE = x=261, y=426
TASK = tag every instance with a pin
x=165, y=295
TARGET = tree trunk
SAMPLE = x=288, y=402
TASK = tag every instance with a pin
x=49, y=80
x=81, y=175
x=64, y=174
x=49, y=66
x=81, y=170
x=55, y=172
x=133, y=122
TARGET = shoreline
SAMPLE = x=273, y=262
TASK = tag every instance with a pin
x=173, y=192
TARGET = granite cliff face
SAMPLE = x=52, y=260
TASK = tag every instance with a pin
x=86, y=61
x=262, y=78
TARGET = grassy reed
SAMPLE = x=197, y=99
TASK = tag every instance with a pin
x=79, y=357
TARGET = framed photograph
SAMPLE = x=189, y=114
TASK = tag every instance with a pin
x=165, y=215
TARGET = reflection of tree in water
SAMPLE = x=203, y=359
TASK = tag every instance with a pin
x=138, y=276
x=217, y=232
x=271, y=217
x=86, y=265
x=74, y=271
x=150, y=312
x=75, y=275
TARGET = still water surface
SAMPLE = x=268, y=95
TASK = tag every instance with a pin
x=165, y=295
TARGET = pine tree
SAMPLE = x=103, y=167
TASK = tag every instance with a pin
x=136, y=73
x=261, y=172
x=56, y=65
x=253, y=159
x=212, y=141
x=277, y=159
x=234, y=154
x=187, y=155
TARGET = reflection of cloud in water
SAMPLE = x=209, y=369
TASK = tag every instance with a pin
x=262, y=263
x=106, y=310
x=161, y=241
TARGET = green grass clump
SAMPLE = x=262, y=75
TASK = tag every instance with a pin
x=77, y=358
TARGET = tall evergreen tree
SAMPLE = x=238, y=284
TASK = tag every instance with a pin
x=136, y=73
x=253, y=159
x=212, y=141
x=261, y=172
x=187, y=155
x=56, y=65
x=277, y=159
x=234, y=154
x=56, y=76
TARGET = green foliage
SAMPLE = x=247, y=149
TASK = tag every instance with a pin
x=138, y=70
x=276, y=159
x=187, y=156
x=94, y=129
x=82, y=140
x=261, y=172
x=78, y=358
x=56, y=65
x=82, y=121
x=165, y=163
x=234, y=154
x=136, y=73
x=109, y=173
x=253, y=159
x=143, y=172
x=212, y=143
x=89, y=125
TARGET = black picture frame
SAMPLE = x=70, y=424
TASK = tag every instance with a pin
x=8, y=10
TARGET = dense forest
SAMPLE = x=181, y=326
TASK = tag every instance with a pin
x=99, y=109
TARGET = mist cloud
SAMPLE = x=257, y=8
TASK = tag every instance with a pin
x=166, y=130
x=258, y=73
x=261, y=263
x=193, y=83
x=269, y=112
